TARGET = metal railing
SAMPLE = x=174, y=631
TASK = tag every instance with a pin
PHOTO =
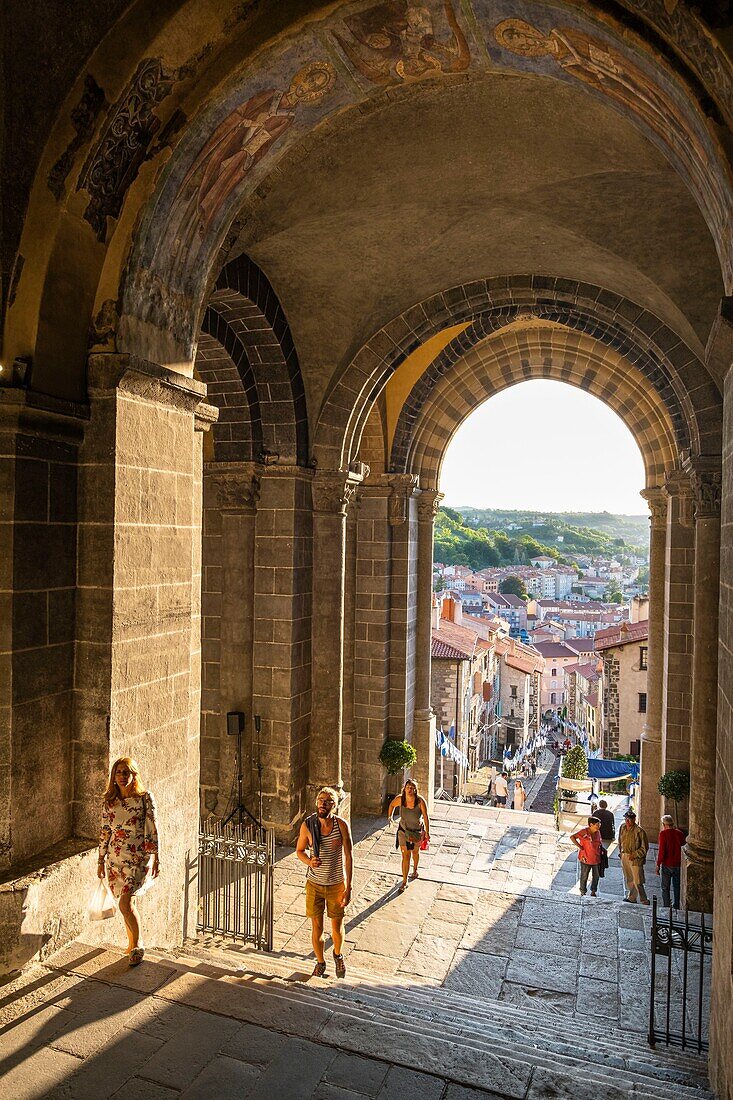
x=683, y=985
x=236, y=882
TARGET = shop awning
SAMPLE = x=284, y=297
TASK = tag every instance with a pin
x=612, y=769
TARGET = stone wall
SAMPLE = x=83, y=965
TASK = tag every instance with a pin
x=38, y=491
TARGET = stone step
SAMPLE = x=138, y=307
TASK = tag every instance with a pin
x=470, y=1009
x=368, y=1024
x=521, y=1045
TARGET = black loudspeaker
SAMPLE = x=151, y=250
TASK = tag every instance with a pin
x=235, y=723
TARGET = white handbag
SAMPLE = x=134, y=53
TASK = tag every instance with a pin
x=102, y=902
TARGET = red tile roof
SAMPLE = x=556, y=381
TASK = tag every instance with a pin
x=622, y=635
x=460, y=640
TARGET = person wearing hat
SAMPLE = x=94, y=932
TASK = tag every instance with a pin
x=633, y=845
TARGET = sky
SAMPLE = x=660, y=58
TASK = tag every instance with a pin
x=544, y=445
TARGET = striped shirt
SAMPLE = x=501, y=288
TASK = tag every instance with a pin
x=331, y=871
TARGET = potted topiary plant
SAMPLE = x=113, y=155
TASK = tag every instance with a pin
x=397, y=755
x=574, y=766
x=674, y=786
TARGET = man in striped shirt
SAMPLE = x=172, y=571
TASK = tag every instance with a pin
x=328, y=880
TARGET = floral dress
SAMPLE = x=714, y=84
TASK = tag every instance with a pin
x=128, y=842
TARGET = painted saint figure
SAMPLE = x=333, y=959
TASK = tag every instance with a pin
x=396, y=42
x=242, y=140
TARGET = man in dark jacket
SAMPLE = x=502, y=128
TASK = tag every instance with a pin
x=608, y=823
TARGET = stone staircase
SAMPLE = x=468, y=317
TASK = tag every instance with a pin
x=514, y=1052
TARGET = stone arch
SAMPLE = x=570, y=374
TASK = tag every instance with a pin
x=91, y=188
x=222, y=365
x=254, y=376
x=518, y=354
x=692, y=399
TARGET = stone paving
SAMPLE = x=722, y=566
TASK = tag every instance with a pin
x=495, y=919
x=496, y=912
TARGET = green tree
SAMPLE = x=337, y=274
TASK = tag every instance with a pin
x=575, y=763
x=515, y=585
x=674, y=786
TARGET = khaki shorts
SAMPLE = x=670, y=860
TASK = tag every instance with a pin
x=318, y=898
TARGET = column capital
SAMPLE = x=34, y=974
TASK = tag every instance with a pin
x=235, y=485
x=402, y=487
x=707, y=487
x=333, y=491
x=428, y=503
x=110, y=372
x=678, y=486
x=656, y=499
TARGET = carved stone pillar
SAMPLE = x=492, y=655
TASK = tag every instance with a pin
x=281, y=658
x=697, y=864
x=138, y=660
x=403, y=601
x=332, y=492
x=231, y=492
x=349, y=727
x=651, y=744
x=424, y=725
x=678, y=620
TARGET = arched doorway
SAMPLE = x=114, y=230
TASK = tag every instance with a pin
x=522, y=179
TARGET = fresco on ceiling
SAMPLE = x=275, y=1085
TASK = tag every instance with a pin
x=553, y=42
x=231, y=145
x=400, y=41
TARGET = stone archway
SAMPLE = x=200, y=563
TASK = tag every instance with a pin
x=637, y=376
x=252, y=538
x=586, y=141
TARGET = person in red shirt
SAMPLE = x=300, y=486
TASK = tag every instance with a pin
x=669, y=859
x=588, y=843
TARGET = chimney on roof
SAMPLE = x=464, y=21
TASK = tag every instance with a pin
x=452, y=609
x=639, y=609
x=436, y=611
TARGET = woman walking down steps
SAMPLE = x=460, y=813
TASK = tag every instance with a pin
x=413, y=828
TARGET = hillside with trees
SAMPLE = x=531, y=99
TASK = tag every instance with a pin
x=482, y=538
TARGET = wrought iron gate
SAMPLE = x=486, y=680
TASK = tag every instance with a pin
x=680, y=991
x=236, y=882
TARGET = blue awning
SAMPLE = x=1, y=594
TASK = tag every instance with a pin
x=612, y=769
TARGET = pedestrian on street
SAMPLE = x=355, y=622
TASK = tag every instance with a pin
x=608, y=823
x=328, y=838
x=633, y=845
x=520, y=795
x=128, y=846
x=669, y=861
x=533, y=767
x=413, y=829
x=588, y=842
x=501, y=789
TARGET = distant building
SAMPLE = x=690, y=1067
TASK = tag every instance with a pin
x=557, y=656
x=624, y=651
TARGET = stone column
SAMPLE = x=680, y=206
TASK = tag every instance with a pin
x=281, y=660
x=349, y=735
x=137, y=674
x=332, y=492
x=697, y=865
x=372, y=633
x=678, y=616
x=651, y=744
x=231, y=491
x=423, y=736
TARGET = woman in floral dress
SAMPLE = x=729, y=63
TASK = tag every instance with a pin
x=128, y=845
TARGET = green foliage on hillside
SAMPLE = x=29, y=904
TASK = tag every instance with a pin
x=482, y=538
